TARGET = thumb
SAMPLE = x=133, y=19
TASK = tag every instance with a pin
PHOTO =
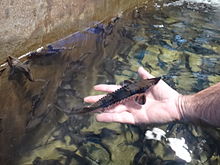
x=144, y=74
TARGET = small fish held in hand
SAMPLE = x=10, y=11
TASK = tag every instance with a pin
x=126, y=91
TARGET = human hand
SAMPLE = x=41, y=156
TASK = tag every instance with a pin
x=161, y=106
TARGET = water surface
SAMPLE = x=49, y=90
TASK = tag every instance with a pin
x=182, y=42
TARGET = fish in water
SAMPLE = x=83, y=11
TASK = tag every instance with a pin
x=16, y=66
x=126, y=91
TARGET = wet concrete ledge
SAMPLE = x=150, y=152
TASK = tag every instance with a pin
x=27, y=25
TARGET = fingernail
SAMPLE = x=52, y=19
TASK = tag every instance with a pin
x=85, y=98
x=141, y=67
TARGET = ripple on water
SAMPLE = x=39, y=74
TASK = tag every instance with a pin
x=173, y=39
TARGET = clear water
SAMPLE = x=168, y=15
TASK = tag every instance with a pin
x=182, y=42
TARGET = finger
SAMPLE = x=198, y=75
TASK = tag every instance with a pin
x=106, y=88
x=93, y=99
x=116, y=108
x=124, y=117
x=144, y=74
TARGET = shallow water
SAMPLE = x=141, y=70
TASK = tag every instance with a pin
x=181, y=42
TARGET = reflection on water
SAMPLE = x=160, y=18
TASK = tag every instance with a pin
x=181, y=42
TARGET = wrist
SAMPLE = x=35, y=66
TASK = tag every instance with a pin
x=187, y=109
x=175, y=107
x=183, y=106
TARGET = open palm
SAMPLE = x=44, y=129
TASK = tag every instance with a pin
x=161, y=104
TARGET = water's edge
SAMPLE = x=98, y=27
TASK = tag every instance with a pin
x=26, y=25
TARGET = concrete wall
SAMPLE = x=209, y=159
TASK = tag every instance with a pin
x=29, y=24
